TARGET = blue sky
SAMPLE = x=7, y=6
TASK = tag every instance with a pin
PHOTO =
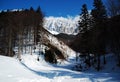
x=49, y=7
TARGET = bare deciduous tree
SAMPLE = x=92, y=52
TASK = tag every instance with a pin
x=113, y=7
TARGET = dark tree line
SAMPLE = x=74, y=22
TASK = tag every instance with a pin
x=17, y=28
x=98, y=35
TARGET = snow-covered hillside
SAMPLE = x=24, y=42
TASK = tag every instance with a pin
x=31, y=70
x=67, y=25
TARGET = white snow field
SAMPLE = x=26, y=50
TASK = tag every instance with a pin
x=31, y=70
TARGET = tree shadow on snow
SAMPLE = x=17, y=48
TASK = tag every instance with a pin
x=93, y=77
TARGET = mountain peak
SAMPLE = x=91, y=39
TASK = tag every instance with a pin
x=67, y=25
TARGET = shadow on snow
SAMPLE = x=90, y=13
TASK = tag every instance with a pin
x=93, y=77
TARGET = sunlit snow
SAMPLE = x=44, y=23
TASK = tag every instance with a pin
x=31, y=70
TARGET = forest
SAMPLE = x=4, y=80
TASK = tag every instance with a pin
x=98, y=33
x=19, y=29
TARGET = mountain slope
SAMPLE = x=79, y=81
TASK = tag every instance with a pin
x=67, y=39
x=62, y=25
x=49, y=40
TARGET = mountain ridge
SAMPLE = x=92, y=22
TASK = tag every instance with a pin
x=67, y=25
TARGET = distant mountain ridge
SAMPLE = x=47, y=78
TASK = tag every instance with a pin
x=67, y=25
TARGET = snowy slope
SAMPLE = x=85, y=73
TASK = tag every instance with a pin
x=30, y=70
x=61, y=46
x=67, y=25
x=12, y=70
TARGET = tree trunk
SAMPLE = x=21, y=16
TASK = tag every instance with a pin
x=29, y=41
x=104, y=59
x=22, y=44
x=34, y=39
x=10, y=43
x=25, y=45
x=89, y=63
x=19, y=47
x=118, y=59
x=31, y=50
x=98, y=65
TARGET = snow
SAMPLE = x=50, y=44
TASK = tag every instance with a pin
x=31, y=70
x=53, y=32
x=11, y=10
x=61, y=46
x=12, y=70
x=67, y=25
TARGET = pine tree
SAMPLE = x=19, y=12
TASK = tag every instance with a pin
x=84, y=27
x=99, y=11
x=99, y=18
x=31, y=9
x=38, y=10
x=84, y=17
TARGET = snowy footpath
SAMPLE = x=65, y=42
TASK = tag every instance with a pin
x=31, y=70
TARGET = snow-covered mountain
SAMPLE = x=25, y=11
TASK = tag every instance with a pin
x=67, y=25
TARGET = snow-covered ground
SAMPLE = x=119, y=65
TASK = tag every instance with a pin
x=31, y=70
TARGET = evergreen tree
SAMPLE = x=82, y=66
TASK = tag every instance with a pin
x=84, y=26
x=114, y=36
x=84, y=17
x=99, y=11
x=31, y=9
x=99, y=18
x=38, y=9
